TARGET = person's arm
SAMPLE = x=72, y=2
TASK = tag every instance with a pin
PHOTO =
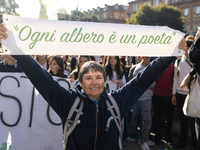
x=187, y=79
x=71, y=77
x=58, y=97
x=134, y=89
x=185, y=82
x=122, y=81
x=52, y=92
x=175, y=83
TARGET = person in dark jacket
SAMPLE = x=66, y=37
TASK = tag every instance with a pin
x=9, y=64
x=90, y=133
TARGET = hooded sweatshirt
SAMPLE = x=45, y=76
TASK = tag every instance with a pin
x=90, y=134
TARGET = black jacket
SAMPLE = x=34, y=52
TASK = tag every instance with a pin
x=91, y=130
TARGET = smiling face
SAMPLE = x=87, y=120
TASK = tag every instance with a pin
x=54, y=67
x=93, y=84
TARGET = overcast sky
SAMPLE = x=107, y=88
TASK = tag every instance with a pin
x=31, y=8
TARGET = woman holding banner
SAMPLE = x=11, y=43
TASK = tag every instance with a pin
x=95, y=128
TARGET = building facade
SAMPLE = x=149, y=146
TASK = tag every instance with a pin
x=190, y=11
x=110, y=14
x=74, y=18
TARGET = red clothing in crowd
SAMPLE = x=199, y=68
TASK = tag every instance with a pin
x=164, y=83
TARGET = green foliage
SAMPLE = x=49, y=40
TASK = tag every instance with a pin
x=76, y=13
x=63, y=11
x=8, y=7
x=94, y=18
x=79, y=13
x=5, y=147
x=161, y=15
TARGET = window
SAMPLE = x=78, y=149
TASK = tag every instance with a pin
x=156, y=2
x=135, y=7
x=98, y=9
x=98, y=16
x=125, y=8
x=185, y=12
x=174, y=1
x=116, y=7
x=104, y=15
x=165, y=1
x=148, y=3
x=106, y=7
x=116, y=15
x=197, y=10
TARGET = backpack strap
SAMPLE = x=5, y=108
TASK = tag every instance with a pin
x=116, y=118
x=71, y=124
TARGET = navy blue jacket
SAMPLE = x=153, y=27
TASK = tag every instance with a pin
x=4, y=67
x=94, y=116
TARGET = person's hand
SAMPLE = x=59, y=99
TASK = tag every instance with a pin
x=183, y=45
x=71, y=80
x=121, y=83
x=173, y=99
x=3, y=34
x=115, y=81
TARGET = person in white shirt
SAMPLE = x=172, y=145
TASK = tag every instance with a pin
x=181, y=69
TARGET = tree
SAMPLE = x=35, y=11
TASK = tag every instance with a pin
x=62, y=11
x=161, y=15
x=8, y=7
x=94, y=18
x=43, y=10
x=79, y=13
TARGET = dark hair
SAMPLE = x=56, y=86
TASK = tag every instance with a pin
x=64, y=62
x=92, y=58
x=91, y=66
x=118, y=68
x=37, y=58
x=59, y=61
x=77, y=62
x=189, y=43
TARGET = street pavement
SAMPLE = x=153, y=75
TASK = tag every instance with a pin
x=133, y=145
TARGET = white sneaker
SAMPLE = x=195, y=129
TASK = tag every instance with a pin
x=145, y=146
x=150, y=143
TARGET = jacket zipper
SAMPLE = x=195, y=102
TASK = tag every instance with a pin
x=95, y=143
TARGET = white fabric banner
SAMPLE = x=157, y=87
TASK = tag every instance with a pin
x=26, y=121
x=34, y=36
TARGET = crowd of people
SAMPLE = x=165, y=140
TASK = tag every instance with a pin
x=148, y=94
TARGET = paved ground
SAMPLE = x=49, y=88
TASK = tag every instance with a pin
x=128, y=145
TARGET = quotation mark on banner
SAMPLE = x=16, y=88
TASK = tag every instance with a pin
x=16, y=28
x=174, y=33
